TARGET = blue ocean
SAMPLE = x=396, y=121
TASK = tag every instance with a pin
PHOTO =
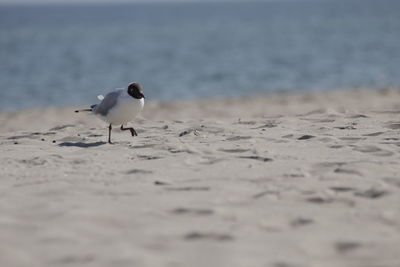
x=65, y=55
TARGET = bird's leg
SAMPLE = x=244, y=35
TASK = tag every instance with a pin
x=133, y=132
x=109, y=134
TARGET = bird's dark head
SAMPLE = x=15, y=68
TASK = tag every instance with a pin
x=135, y=90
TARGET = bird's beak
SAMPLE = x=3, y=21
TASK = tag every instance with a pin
x=142, y=95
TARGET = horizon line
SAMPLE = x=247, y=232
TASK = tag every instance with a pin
x=122, y=2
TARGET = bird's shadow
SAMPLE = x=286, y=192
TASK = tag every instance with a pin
x=81, y=144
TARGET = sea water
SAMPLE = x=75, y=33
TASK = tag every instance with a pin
x=58, y=55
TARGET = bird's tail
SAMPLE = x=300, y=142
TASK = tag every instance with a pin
x=80, y=110
x=92, y=107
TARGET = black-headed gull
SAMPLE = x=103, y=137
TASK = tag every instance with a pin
x=119, y=107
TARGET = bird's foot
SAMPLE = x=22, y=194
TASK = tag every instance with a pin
x=131, y=129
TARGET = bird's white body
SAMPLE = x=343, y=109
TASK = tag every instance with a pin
x=125, y=109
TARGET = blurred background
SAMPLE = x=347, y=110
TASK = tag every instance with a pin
x=61, y=53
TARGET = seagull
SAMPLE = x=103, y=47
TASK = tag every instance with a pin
x=119, y=107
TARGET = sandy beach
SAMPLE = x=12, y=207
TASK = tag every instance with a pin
x=285, y=180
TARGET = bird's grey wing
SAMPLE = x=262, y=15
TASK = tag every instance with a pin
x=109, y=101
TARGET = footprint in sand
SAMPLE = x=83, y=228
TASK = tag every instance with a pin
x=305, y=137
x=335, y=146
x=33, y=183
x=352, y=140
x=347, y=171
x=323, y=200
x=147, y=157
x=160, y=183
x=343, y=247
x=210, y=160
x=302, y=137
x=392, y=181
x=192, y=211
x=262, y=194
x=300, y=221
x=357, y=116
x=326, y=139
x=263, y=159
x=373, y=134
x=371, y=193
x=333, y=167
x=61, y=127
x=181, y=149
x=393, y=125
x=142, y=146
x=246, y=122
x=138, y=171
x=238, y=138
x=324, y=167
x=319, y=120
x=233, y=150
x=78, y=161
x=346, y=127
x=390, y=141
x=267, y=125
x=34, y=135
x=200, y=130
x=188, y=188
x=319, y=200
x=194, y=236
x=195, y=132
x=373, y=150
x=341, y=189
x=287, y=264
x=38, y=161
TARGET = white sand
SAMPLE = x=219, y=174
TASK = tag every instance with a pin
x=284, y=181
